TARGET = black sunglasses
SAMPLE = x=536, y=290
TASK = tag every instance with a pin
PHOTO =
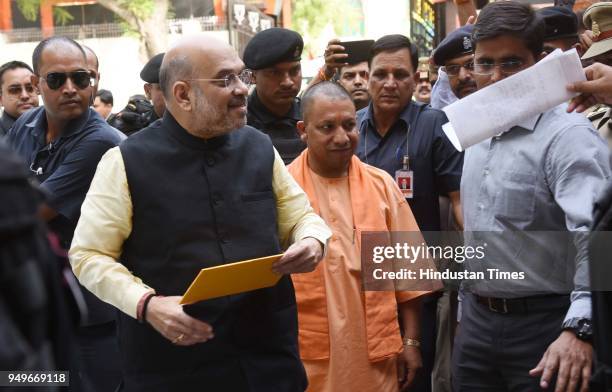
x=81, y=79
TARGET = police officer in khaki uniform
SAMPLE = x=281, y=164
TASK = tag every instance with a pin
x=598, y=18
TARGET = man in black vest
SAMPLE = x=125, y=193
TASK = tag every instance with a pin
x=274, y=56
x=195, y=190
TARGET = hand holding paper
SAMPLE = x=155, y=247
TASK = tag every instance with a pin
x=302, y=256
x=166, y=315
x=513, y=100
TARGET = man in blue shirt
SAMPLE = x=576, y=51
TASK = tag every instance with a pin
x=62, y=143
x=392, y=118
x=544, y=175
x=392, y=128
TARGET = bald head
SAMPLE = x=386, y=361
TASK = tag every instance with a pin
x=328, y=90
x=201, y=88
x=91, y=57
x=197, y=49
x=54, y=43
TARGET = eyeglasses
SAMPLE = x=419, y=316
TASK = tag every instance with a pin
x=507, y=68
x=455, y=69
x=246, y=77
x=16, y=89
x=81, y=79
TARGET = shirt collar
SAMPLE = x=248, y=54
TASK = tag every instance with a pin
x=529, y=124
x=406, y=115
x=295, y=113
x=38, y=123
x=189, y=140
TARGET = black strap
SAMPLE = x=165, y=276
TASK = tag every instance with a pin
x=145, y=305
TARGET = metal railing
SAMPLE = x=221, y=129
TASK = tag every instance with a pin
x=113, y=30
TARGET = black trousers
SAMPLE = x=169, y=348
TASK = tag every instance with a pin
x=99, y=367
x=494, y=352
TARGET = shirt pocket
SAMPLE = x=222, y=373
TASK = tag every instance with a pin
x=515, y=201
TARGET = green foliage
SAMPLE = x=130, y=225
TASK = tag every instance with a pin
x=61, y=16
x=29, y=9
x=141, y=8
x=310, y=17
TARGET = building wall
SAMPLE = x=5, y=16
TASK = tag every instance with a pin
x=120, y=63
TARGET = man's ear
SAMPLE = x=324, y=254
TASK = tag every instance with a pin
x=147, y=89
x=180, y=94
x=35, y=80
x=301, y=127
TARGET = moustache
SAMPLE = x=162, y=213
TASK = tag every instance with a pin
x=465, y=83
x=238, y=101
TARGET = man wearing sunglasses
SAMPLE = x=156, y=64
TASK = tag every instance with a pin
x=17, y=94
x=62, y=143
x=538, y=177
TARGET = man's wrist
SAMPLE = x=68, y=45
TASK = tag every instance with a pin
x=142, y=306
x=408, y=342
x=581, y=327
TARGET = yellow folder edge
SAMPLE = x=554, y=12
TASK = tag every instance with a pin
x=233, y=278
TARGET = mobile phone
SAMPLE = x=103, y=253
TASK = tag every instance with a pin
x=357, y=51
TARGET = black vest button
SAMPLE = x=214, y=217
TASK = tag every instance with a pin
x=210, y=161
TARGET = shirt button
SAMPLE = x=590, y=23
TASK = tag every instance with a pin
x=486, y=172
x=480, y=206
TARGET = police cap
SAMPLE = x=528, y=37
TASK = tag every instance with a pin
x=598, y=19
x=150, y=72
x=455, y=44
x=561, y=22
x=273, y=46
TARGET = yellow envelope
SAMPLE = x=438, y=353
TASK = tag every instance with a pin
x=233, y=278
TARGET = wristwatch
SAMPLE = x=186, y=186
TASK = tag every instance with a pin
x=582, y=327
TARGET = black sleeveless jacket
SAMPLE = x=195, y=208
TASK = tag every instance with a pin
x=199, y=203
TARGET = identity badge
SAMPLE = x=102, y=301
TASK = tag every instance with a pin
x=404, y=180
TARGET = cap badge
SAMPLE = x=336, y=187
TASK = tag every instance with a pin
x=595, y=29
x=467, y=43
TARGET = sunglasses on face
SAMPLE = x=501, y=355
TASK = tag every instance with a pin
x=81, y=79
x=16, y=89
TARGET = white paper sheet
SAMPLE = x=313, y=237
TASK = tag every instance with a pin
x=509, y=102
